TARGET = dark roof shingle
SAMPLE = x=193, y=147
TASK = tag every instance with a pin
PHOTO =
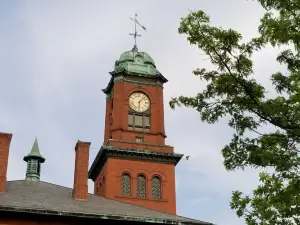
x=41, y=196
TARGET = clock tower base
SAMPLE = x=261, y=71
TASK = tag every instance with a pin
x=112, y=162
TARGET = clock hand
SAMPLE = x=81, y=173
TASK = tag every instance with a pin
x=143, y=98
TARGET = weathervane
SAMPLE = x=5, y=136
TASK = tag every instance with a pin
x=135, y=34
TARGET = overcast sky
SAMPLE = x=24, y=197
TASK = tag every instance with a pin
x=55, y=56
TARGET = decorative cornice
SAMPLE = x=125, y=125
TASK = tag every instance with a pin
x=158, y=80
x=131, y=154
x=139, y=132
x=158, y=75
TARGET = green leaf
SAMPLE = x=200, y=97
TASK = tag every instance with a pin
x=232, y=92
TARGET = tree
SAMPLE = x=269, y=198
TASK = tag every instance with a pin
x=232, y=92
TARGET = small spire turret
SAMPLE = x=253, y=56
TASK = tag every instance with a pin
x=34, y=160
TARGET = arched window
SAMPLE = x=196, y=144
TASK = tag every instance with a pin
x=126, y=184
x=141, y=186
x=156, y=187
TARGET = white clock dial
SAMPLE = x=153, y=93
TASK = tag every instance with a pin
x=139, y=102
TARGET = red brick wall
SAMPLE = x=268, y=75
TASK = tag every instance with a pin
x=114, y=169
x=108, y=120
x=30, y=222
x=80, y=189
x=5, y=139
x=100, y=186
x=119, y=113
x=35, y=219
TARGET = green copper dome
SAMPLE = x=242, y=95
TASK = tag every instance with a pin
x=136, y=62
x=136, y=56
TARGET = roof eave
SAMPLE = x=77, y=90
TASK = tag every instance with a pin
x=102, y=156
x=109, y=86
x=92, y=171
x=98, y=216
x=124, y=71
x=40, y=158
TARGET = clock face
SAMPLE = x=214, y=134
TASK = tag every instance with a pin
x=139, y=102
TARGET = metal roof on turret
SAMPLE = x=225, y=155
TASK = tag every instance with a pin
x=35, y=152
x=137, y=62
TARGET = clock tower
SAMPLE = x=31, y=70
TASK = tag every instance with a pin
x=134, y=164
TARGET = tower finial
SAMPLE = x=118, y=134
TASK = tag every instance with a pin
x=34, y=160
x=135, y=34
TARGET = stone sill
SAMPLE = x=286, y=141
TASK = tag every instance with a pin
x=139, y=198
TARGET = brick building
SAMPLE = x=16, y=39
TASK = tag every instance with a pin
x=133, y=172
